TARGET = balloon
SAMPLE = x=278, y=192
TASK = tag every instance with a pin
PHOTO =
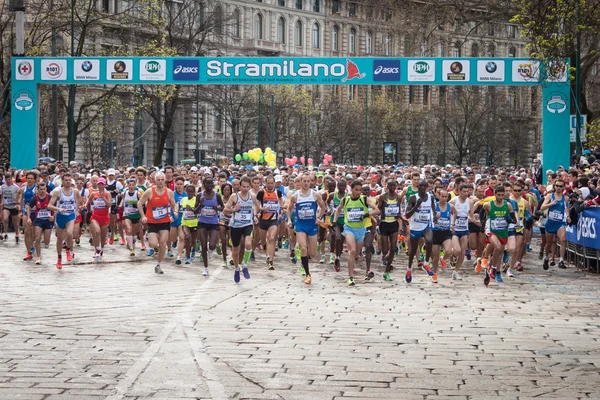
x=272, y=164
x=360, y=168
x=325, y=162
x=295, y=159
x=310, y=161
x=302, y=160
x=238, y=157
x=329, y=157
x=245, y=155
x=261, y=158
x=268, y=150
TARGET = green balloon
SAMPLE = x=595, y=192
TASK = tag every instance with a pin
x=238, y=157
x=262, y=158
x=245, y=155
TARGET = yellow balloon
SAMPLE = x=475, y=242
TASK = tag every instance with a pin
x=268, y=150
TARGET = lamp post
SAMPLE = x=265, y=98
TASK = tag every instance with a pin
x=273, y=122
x=72, y=90
x=578, y=85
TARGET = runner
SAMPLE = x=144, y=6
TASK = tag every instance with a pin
x=132, y=216
x=389, y=205
x=99, y=202
x=334, y=201
x=499, y=214
x=442, y=232
x=556, y=223
x=269, y=203
x=370, y=225
x=24, y=196
x=176, y=231
x=189, y=222
x=41, y=219
x=305, y=203
x=158, y=199
x=65, y=202
x=225, y=230
x=208, y=206
x=114, y=187
x=84, y=194
x=11, y=206
x=241, y=209
x=256, y=186
x=463, y=214
x=521, y=206
x=420, y=212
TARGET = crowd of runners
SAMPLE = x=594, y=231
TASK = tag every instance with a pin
x=444, y=218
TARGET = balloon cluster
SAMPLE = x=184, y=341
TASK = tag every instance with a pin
x=294, y=160
x=257, y=155
x=327, y=159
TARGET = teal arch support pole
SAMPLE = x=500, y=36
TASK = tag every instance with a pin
x=24, y=120
x=556, y=141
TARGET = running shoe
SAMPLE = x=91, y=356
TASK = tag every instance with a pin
x=174, y=244
x=434, y=278
x=188, y=260
x=28, y=257
x=231, y=262
x=69, y=255
x=285, y=244
x=143, y=247
x=245, y=272
x=546, y=264
x=169, y=253
x=351, y=281
x=279, y=244
x=193, y=255
x=509, y=273
x=158, y=270
x=38, y=261
x=505, y=267
x=427, y=269
x=552, y=263
x=561, y=265
x=219, y=251
x=17, y=239
x=270, y=266
x=336, y=265
x=178, y=261
x=308, y=280
x=421, y=257
x=59, y=263
x=499, y=277
x=323, y=259
x=383, y=260
x=519, y=266
x=444, y=263
x=387, y=277
x=294, y=260
x=301, y=270
x=331, y=259
x=370, y=275
x=505, y=256
x=111, y=240
x=456, y=276
x=492, y=272
x=468, y=254
x=396, y=250
x=252, y=258
x=205, y=273
x=122, y=241
x=442, y=253
x=541, y=255
x=486, y=280
x=224, y=264
x=420, y=263
x=528, y=248
x=378, y=252
x=408, y=276
x=151, y=252
x=236, y=275
x=132, y=252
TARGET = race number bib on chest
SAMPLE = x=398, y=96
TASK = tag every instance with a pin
x=160, y=212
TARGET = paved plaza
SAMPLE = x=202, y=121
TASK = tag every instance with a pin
x=118, y=331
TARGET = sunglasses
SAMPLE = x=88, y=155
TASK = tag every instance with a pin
x=559, y=186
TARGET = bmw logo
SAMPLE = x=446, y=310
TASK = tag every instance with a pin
x=86, y=66
x=491, y=67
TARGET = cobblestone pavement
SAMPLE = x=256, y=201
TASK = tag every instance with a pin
x=119, y=331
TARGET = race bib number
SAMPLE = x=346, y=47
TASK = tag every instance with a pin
x=208, y=212
x=188, y=215
x=69, y=206
x=443, y=224
x=160, y=212
x=43, y=214
x=307, y=213
x=99, y=203
x=355, y=214
x=130, y=209
x=392, y=210
x=272, y=207
x=461, y=224
x=555, y=215
x=245, y=217
x=499, y=224
x=422, y=217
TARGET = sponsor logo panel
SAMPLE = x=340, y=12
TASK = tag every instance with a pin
x=421, y=70
x=54, y=70
x=86, y=70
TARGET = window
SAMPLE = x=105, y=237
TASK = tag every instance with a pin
x=335, y=7
x=218, y=21
x=316, y=36
x=441, y=50
x=258, y=27
x=411, y=94
x=512, y=31
x=316, y=6
x=281, y=30
x=236, y=23
x=491, y=29
x=475, y=50
x=369, y=11
x=352, y=10
x=457, y=52
x=369, y=43
x=442, y=95
x=298, y=33
x=512, y=52
x=351, y=92
x=492, y=50
x=426, y=95
x=335, y=33
x=299, y=4
x=388, y=45
x=281, y=3
x=352, y=41
x=512, y=99
x=218, y=121
x=388, y=15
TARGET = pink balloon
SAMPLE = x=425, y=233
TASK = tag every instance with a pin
x=325, y=162
x=287, y=161
x=295, y=159
x=329, y=157
x=310, y=161
x=302, y=160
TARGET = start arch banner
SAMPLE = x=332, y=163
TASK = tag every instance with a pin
x=30, y=72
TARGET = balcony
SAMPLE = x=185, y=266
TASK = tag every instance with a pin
x=265, y=47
